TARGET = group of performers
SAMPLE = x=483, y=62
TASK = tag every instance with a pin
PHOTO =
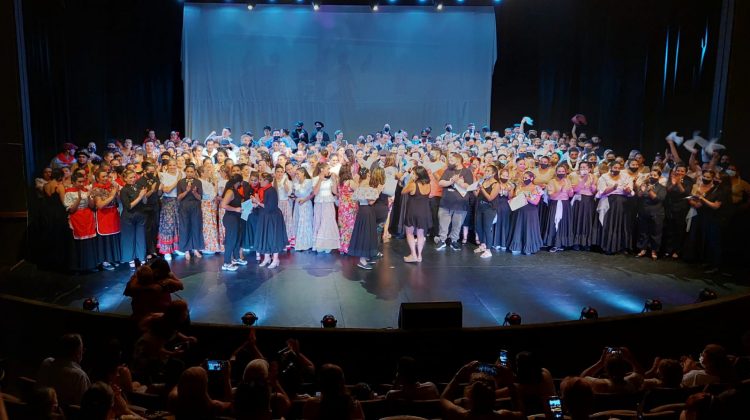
x=515, y=191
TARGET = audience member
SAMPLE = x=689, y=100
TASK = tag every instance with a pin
x=480, y=396
x=190, y=399
x=63, y=372
x=155, y=357
x=260, y=395
x=623, y=373
x=577, y=397
x=334, y=402
x=713, y=367
x=406, y=385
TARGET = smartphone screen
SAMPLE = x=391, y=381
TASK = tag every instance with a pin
x=555, y=407
x=214, y=365
x=503, y=357
x=487, y=368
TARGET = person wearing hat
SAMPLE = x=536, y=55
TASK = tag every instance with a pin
x=82, y=162
x=65, y=158
x=470, y=130
x=319, y=129
x=300, y=134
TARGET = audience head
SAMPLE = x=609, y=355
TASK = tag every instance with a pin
x=406, y=372
x=70, y=347
x=256, y=371
x=43, y=404
x=669, y=371
x=577, y=397
x=98, y=403
x=528, y=368
x=480, y=393
x=192, y=391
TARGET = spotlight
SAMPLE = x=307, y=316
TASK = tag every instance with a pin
x=512, y=318
x=652, y=305
x=91, y=304
x=251, y=6
x=328, y=321
x=707, y=294
x=316, y=6
x=374, y=6
x=589, y=312
x=438, y=5
x=249, y=319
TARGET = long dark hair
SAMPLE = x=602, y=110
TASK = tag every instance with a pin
x=234, y=179
x=345, y=173
x=422, y=176
x=335, y=401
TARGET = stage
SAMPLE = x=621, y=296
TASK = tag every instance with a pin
x=542, y=288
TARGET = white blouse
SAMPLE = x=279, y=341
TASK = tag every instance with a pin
x=325, y=193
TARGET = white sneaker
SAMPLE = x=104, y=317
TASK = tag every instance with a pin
x=168, y=257
x=229, y=267
x=239, y=262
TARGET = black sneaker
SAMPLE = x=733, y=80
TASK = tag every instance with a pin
x=455, y=246
x=440, y=246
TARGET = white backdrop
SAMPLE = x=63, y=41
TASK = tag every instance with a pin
x=344, y=65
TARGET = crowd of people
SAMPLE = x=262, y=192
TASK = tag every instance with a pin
x=516, y=190
x=248, y=384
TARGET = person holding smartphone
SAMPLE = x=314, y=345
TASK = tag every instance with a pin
x=480, y=394
x=624, y=373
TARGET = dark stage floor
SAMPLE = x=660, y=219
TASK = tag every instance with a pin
x=542, y=288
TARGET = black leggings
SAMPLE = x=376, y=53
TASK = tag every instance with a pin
x=484, y=216
x=231, y=222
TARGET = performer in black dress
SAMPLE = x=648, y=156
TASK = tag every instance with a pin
x=704, y=237
x=189, y=195
x=133, y=220
x=676, y=207
x=364, y=242
x=418, y=217
x=232, y=204
x=270, y=237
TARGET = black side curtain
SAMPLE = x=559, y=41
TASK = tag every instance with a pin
x=102, y=69
x=606, y=59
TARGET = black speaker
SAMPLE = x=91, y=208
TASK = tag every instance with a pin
x=424, y=315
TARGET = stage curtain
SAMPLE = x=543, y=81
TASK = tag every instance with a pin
x=346, y=66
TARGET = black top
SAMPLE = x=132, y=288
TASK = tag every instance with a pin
x=146, y=181
x=452, y=200
x=127, y=195
x=675, y=201
x=656, y=204
x=186, y=184
x=270, y=200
